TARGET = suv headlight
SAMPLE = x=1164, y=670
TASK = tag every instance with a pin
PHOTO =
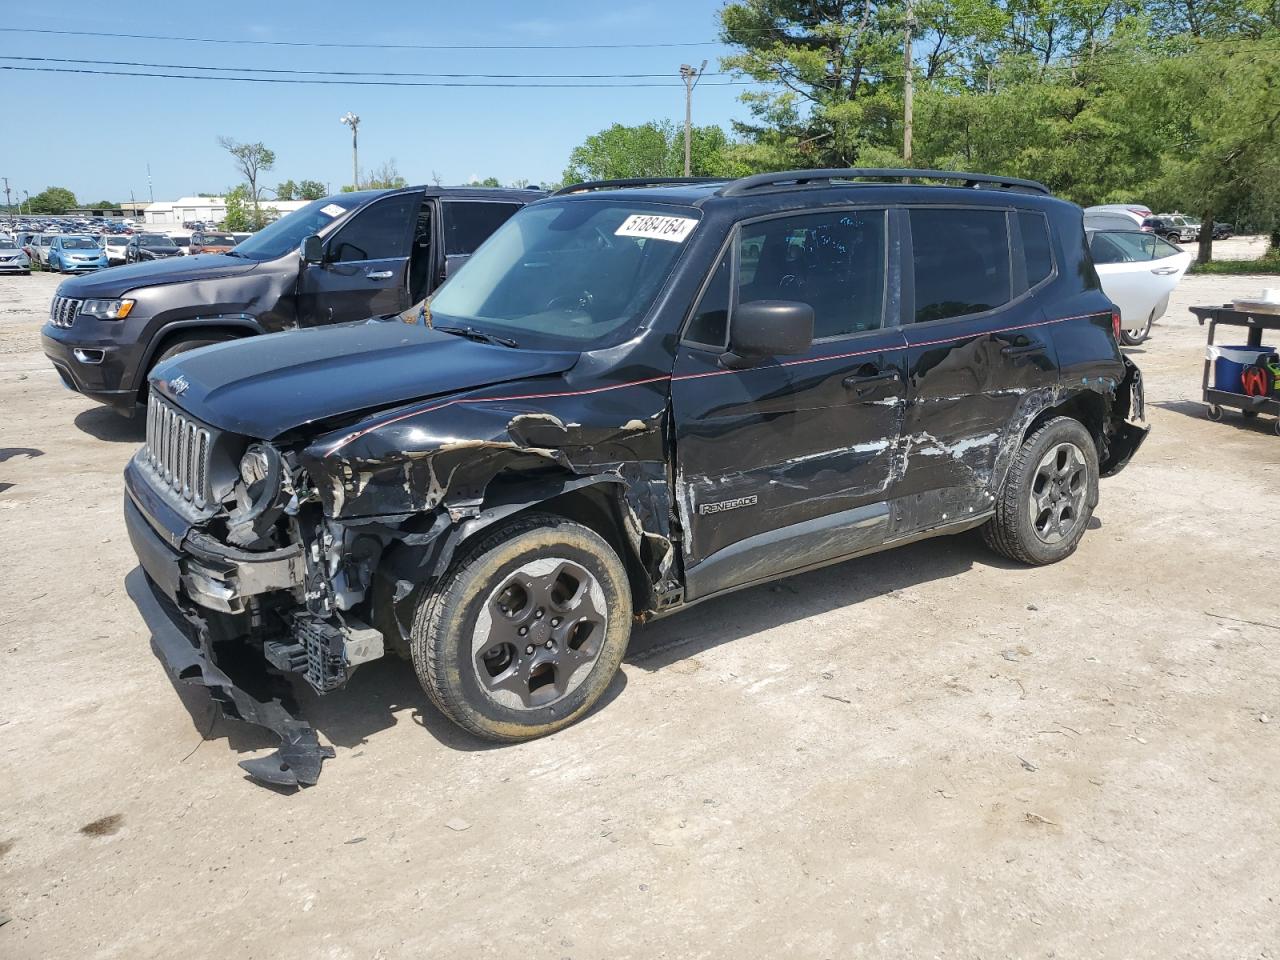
x=106, y=309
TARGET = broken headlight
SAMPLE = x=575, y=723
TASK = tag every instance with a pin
x=258, y=496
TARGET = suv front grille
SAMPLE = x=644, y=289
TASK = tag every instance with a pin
x=63, y=311
x=178, y=450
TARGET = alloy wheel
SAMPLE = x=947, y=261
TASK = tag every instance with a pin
x=1058, y=489
x=539, y=633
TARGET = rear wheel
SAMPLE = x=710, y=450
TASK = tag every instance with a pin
x=526, y=629
x=1048, y=496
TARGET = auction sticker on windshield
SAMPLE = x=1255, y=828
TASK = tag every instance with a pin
x=674, y=229
x=332, y=210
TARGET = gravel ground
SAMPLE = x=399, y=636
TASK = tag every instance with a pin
x=928, y=752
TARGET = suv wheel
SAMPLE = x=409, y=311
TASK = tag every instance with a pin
x=525, y=630
x=1048, y=496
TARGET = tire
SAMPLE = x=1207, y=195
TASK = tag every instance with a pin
x=1048, y=496
x=1131, y=338
x=1213, y=412
x=182, y=344
x=464, y=638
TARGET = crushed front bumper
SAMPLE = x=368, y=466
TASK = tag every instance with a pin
x=296, y=762
x=160, y=587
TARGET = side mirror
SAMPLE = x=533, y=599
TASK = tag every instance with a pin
x=760, y=329
x=312, y=250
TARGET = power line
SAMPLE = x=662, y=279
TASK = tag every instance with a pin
x=348, y=73
x=368, y=46
x=364, y=83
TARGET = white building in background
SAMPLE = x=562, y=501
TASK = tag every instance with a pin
x=174, y=213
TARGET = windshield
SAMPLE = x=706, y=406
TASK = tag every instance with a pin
x=79, y=243
x=181, y=240
x=573, y=274
x=288, y=232
x=156, y=242
x=7, y=244
x=218, y=240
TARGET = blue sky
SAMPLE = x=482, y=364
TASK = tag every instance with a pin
x=96, y=134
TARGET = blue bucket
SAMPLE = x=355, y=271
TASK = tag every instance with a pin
x=1229, y=364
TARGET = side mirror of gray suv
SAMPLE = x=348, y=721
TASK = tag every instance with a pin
x=760, y=329
x=312, y=249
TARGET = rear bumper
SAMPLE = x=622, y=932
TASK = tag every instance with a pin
x=1128, y=430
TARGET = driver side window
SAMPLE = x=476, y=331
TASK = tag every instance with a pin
x=380, y=232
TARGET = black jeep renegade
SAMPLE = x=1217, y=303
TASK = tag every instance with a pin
x=635, y=396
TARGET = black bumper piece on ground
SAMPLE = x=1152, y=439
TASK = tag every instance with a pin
x=298, y=759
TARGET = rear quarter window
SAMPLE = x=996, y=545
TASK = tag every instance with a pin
x=960, y=261
x=468, y=223
x=1036, y=249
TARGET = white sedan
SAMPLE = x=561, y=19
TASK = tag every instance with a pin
x=1138, y=272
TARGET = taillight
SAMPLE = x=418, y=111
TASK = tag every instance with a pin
x=1115, y=321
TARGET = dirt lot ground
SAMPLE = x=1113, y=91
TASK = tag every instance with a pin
x=929, y=752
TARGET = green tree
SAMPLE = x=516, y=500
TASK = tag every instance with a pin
x=103, y=205
x=311, y=190
x=286, y=190
x=251, y=159
x=243, y=213
x=52, y=200
x=654, y=149
x=486, y=182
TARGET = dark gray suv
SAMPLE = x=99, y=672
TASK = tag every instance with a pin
x=346, y=257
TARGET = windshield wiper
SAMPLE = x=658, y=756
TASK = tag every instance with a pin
x=471, y=333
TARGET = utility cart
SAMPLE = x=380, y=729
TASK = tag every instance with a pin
x=1256, y=316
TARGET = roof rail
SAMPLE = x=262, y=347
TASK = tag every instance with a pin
x=804, y=178
x=589, y=185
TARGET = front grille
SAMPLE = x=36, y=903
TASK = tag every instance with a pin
x=178, y=451
x=63, y=311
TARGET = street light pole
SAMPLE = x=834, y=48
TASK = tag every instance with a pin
x=351, y=120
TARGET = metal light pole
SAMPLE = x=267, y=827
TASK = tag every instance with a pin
x=352, y=121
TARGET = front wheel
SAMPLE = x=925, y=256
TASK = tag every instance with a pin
x=525, y=630
x=1048, y=495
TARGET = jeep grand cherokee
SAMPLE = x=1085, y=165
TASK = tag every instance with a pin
x=635, y=397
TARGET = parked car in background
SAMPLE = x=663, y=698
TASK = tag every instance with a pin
x=1223, y=231
x=1118, y=216
x=150, y=246
x=346, y=257
x=1175, y=228
x=115, y=244
x=69, y=253
x=13, y=259
x=182, y=240
x=211, y=242
x=1138, y=272
x=40, y=247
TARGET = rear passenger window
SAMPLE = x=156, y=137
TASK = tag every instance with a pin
x=467, y=224
x=710, y=322
x=1034, y=228
x=835, y=262
x=961, y=261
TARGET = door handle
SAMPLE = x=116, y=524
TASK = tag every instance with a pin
x=1163, y=271
x=379, y=274
x=864, y=383
x=1022, y=349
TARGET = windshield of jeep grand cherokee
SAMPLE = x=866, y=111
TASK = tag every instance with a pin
x=285, y=235
x=574, y=274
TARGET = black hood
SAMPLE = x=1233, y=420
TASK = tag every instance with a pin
x=264, y=386
x=117, y=281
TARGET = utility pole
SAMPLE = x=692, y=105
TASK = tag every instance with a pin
x=150, y=189
x=908, y=87
x=690, y=77
x=352, y=121
x=8, y=206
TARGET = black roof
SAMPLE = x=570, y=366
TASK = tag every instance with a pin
x=469, y=193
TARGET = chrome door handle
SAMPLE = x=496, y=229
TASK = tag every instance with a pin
x=379, y=274
x=1163, y=271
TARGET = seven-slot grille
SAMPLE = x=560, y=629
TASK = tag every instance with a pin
x=63, y=311
x=178, y=450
